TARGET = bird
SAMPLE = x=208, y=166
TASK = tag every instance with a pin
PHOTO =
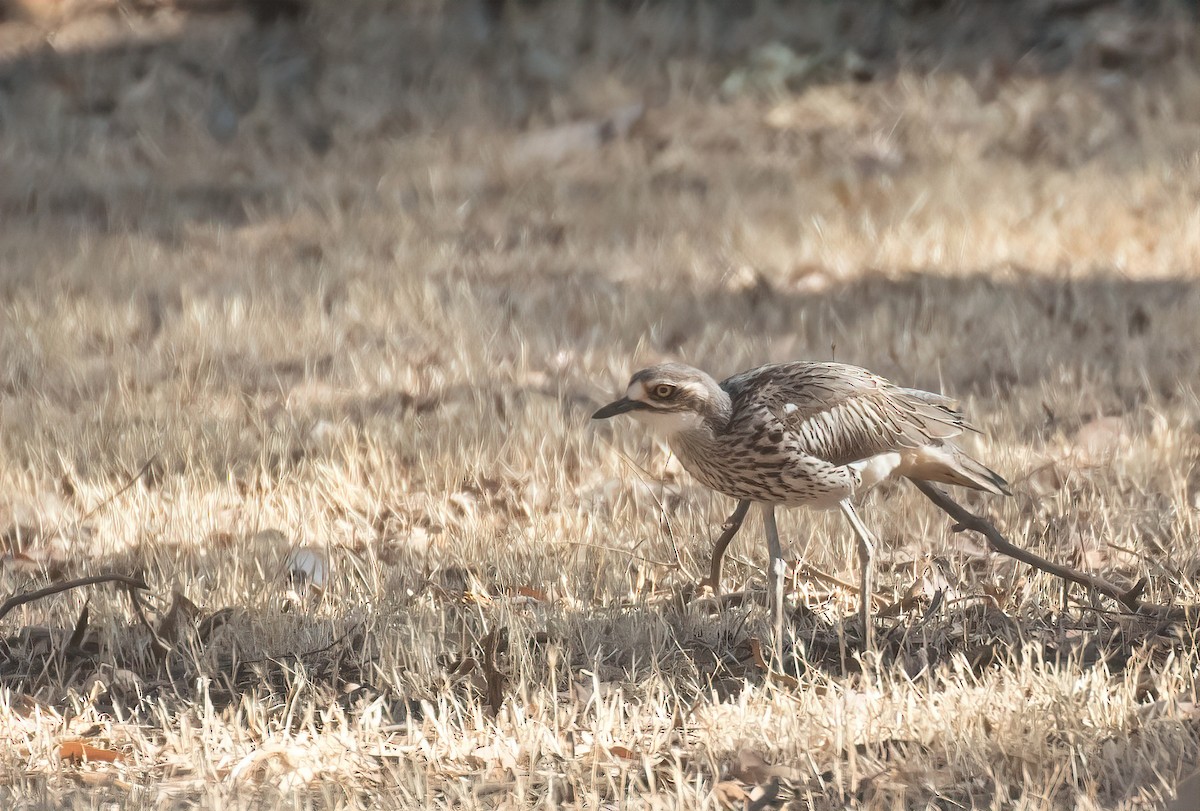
x=802, y=433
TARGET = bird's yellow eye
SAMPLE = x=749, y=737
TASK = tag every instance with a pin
x=663, y=390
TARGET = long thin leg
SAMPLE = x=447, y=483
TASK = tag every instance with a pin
x=866, y=548
x=775, y=550
x=732, y=524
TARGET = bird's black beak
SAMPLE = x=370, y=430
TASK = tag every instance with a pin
x=617, y=407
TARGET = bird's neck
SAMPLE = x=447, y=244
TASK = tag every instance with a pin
x=719, y=411
x=714, y=416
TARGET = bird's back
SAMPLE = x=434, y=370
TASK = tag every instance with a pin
x=843, y=414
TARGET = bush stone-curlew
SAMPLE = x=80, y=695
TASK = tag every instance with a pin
x=801, y=433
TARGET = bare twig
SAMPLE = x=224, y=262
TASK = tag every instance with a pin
x=30, y=596
x=108, y=500
x=300, y=657
x=130, y=483
x=967, y=520
x=666, y=564
x=825, y=577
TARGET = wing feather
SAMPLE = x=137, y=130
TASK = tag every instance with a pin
x=843, y=414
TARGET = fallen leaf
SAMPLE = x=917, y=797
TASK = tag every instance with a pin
x=730, y=794
x=78, y=751
x=779, y=678
x=533, y=594
x=622, y=752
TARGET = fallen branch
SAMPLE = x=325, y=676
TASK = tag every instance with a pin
x=18, y=600
x=966, y=520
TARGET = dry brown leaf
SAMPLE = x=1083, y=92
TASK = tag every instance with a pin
x=622, y=752
x=730, y=794
x=779, y=678
x=533, y=594
x=463, y=667
x=78, y=751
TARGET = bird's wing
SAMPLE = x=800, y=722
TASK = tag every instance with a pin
x=844, y=413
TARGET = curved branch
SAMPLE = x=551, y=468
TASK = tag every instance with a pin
x=1130, y=598
x=30, y=596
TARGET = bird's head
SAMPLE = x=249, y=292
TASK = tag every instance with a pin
x=669, y=398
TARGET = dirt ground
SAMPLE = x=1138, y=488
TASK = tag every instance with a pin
x=304, y=310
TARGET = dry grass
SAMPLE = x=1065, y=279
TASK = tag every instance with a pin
x=372, y=320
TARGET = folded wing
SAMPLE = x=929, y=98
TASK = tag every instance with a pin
x=844, y=414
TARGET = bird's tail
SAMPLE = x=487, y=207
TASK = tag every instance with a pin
x=949, y=464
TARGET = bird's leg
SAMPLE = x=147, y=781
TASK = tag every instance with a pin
x=732, y=524
x=866, y=548
x=776, y=578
